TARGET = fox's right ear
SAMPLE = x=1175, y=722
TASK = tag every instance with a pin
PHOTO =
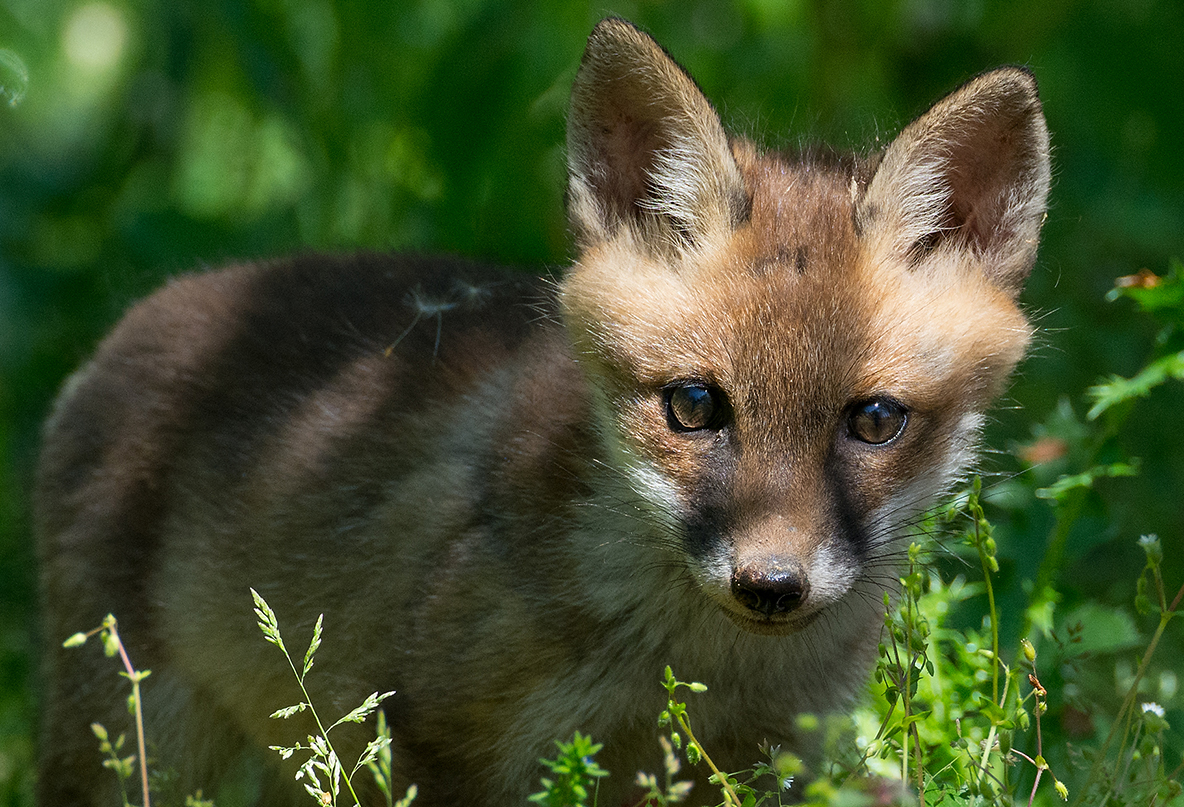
x=645, y=149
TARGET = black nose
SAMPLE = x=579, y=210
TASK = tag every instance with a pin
x=770, y=588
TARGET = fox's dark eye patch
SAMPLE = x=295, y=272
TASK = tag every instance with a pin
x=877, y=421
x=693, y=407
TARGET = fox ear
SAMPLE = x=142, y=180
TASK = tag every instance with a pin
x=645, y=149
x=971, y=173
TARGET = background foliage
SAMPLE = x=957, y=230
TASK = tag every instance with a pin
x=143, y=138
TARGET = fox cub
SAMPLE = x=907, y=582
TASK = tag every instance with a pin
x=515, y=501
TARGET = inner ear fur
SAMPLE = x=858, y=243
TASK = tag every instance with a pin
x=972, y=173
x=645, y=148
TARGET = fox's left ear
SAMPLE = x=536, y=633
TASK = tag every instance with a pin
x=645, y=149
x=972, y=173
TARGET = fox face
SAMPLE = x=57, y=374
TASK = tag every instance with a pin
x=514, y=500
x=792, y=355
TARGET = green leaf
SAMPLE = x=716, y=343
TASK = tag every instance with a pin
x=409, y=797
x=285, y=752
x=1153, y=294
x=1105, y=629
x=267, y=620
x=1059, y=489
x=313, y=645
x=362, y=712
x=285, y=713
x=373, y=748
x=1117, y=389
x=916, y=718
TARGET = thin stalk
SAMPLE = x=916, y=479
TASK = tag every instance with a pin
x=134, y=676
x=982, y=554
x=321, y=728
x=1066, y=516
x=729, y=794
x=993, y=613
x=990, y=741
x=1039, y=771
x=904, y=694
x=1128, y=702
x=920, y=763
x=1037, y=710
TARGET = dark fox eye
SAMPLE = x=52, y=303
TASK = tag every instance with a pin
x=877, y=421
x=691, y=407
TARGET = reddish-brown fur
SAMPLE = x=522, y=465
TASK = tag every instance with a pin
x=483, y=481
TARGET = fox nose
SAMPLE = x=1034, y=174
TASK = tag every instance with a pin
x=770, y=587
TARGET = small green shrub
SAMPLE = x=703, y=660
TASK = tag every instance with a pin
x=124, y=767
x=576, y=774
x=323, y=769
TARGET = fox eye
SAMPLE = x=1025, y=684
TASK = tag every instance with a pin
x=692, y=407
x=877, y=421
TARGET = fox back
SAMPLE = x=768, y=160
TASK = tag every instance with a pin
x=516, y=500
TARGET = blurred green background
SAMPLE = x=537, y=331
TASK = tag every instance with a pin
x=144, y=138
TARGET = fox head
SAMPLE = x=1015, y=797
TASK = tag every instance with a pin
x=790, y=356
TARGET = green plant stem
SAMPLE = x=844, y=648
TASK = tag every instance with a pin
x=140, y=744
x=1055, y=550
x=982, y=555
x=994, y=617
x=1039, y=747
x=990, y=741
x=1039, y=772
x=134, y=676
x=1124, y=713
x=729, y=794
x=321, y=728
x=920, y=760
x=1129, y=760
x=904, y=695
x=1169, y=777
x=1068, y=513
